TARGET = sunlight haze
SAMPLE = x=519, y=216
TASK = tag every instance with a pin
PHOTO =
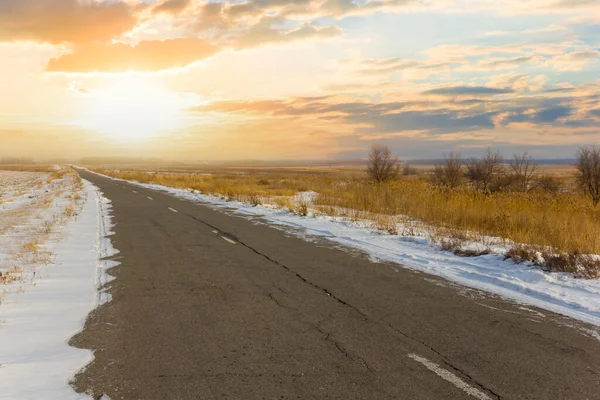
x=188, y=79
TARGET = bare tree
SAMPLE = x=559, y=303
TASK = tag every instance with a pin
x=548, y=183
x=450, y=173
x=408, y=169
x=523, y=171
x=482, y=171
x=383, y=166
x=588, y=171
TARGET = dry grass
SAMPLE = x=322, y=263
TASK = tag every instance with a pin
x=28, y=168
x=564, y=222
x=239, y=185
x=10, y=275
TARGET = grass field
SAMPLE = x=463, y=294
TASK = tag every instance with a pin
x=556, y=229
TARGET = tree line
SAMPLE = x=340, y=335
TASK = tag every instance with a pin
x=491, y=172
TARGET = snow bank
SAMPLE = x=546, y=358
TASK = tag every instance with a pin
x=37, y=323
x=524, y=283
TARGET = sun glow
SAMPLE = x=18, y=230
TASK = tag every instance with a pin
x=130, y=111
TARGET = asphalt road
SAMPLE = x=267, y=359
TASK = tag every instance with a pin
x=207, y=305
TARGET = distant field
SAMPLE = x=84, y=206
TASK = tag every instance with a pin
x=29, y=168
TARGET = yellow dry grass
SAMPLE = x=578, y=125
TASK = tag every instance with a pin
x=565, y=221
x=28, y=168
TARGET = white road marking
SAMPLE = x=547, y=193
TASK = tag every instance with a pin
x=227, y=239
x=150, y=198
x=499, y=309
x=215, y=232
x=172, y=209
x=539, y=314
x=450, y=377
x=134, y=191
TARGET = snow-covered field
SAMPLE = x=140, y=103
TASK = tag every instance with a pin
x=52, y=237
x=558, y=292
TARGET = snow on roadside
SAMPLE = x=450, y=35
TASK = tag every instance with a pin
x=557, y=292
x=36, y=324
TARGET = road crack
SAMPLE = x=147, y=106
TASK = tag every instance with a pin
x=365, y=317
x=341, y=349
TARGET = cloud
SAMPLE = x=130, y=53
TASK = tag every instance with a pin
x=567, y=55
x=58, y=21
x=575, y=113
x=468, y=90
x=572, y=4
x=172, y=7
x=251, y=14
x=518, y=82
x=574, y=61
x=343, y=8
x=436, y=122
x=416, y=69
x=506, y=63
x=386, y=66
x=152, y=55
x=544, y=116
x=367, y=117
x=512, y=7
x=261, y=35
x=213, y=15
x=533, y=31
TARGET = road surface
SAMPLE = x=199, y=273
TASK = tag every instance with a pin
x=207, y=305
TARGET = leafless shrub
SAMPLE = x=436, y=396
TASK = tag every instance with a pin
x=47, y=226
x=450, y=244
x=255, y=200
x=450, y=173
x=588, y=171
x=523, y=171
x=455, y=246
x=520, y=254
x=581, y=265
x=386, y=224
x=471, y=252
x=383, y=166
x=407, y=169
x=301, y=209
x=285, y=203
x=230, y=195
x=482, y=171
x=502, y=182
x=548, y=183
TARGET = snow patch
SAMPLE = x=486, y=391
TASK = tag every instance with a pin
x=307, y=197
x=37, y=323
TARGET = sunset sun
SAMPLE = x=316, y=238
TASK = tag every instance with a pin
x=131, y=111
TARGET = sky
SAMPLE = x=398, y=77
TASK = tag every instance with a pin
x=298, y=79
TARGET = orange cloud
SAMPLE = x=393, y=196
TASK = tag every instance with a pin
x=147, y=56
x=260, y=35
x=58, y=21
x=173, y=7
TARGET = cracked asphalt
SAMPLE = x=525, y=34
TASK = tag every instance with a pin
x=207, y=305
